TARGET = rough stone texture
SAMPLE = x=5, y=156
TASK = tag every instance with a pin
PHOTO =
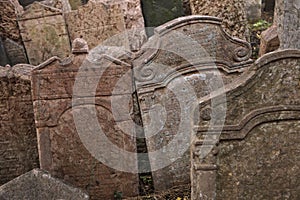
x=269, y=41
x=15, y=52
x=257, y=156
x=38, y=184
x=95, y=23
x=253, y=10
x=79, y=45
x=10, y=34
x=191, y=52
x=8, y=21
x=18, y=142
x=134, y=21
x=44, y=33
x=62, y=149
x=287, y=19
x=232, y=12
x=265, y=165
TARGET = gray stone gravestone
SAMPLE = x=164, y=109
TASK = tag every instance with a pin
x=254, y=154
x=182, y=62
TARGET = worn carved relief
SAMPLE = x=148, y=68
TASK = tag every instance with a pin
x=186, y=59
x=63, y=151
x=259, y=105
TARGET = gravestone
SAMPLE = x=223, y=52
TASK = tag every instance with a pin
x=256, y=154
x=66, y=94
x=232, y=12
x=38, y=184
x=134, y=21
x=95, y=23
x=287, y=20
x=44, y=33
x=15, y=52
x=184, y=60
x=18, y=142
x=8, y=21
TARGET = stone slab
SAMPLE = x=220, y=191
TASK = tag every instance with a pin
x=95, y=23
x=232, y=12
x=15, y=52
x=251, y=148
x=286, y=18
x=38, y=184
x=175, y=68
x=18, y=142
x=44, y=33
x=67, y=145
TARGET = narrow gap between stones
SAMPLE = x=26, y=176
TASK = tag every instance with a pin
x=145, y=178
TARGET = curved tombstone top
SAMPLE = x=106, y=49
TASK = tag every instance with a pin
x=197, y=41
x=269, y=91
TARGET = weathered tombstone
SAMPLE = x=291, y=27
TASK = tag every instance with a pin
x=134, y=21
x=287, y=20
x=95, y=23
x=15, y=52
x=232, y=13
x=256, y=156
x=182, y=62
x=11, y=38
x=8, y=22
x=66, y=93
x=38, y=184
x=18, y=142
x=43, y=32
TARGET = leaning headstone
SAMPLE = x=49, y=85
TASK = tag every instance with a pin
x=185, y=60
x=15, y=52
x=232, y=12
x=254, y=154
x=44, y=33
x=18, y=141
x=82, y=134
x=95, y=22
x=134, y=21
x=287, y=19
x=38, y=184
